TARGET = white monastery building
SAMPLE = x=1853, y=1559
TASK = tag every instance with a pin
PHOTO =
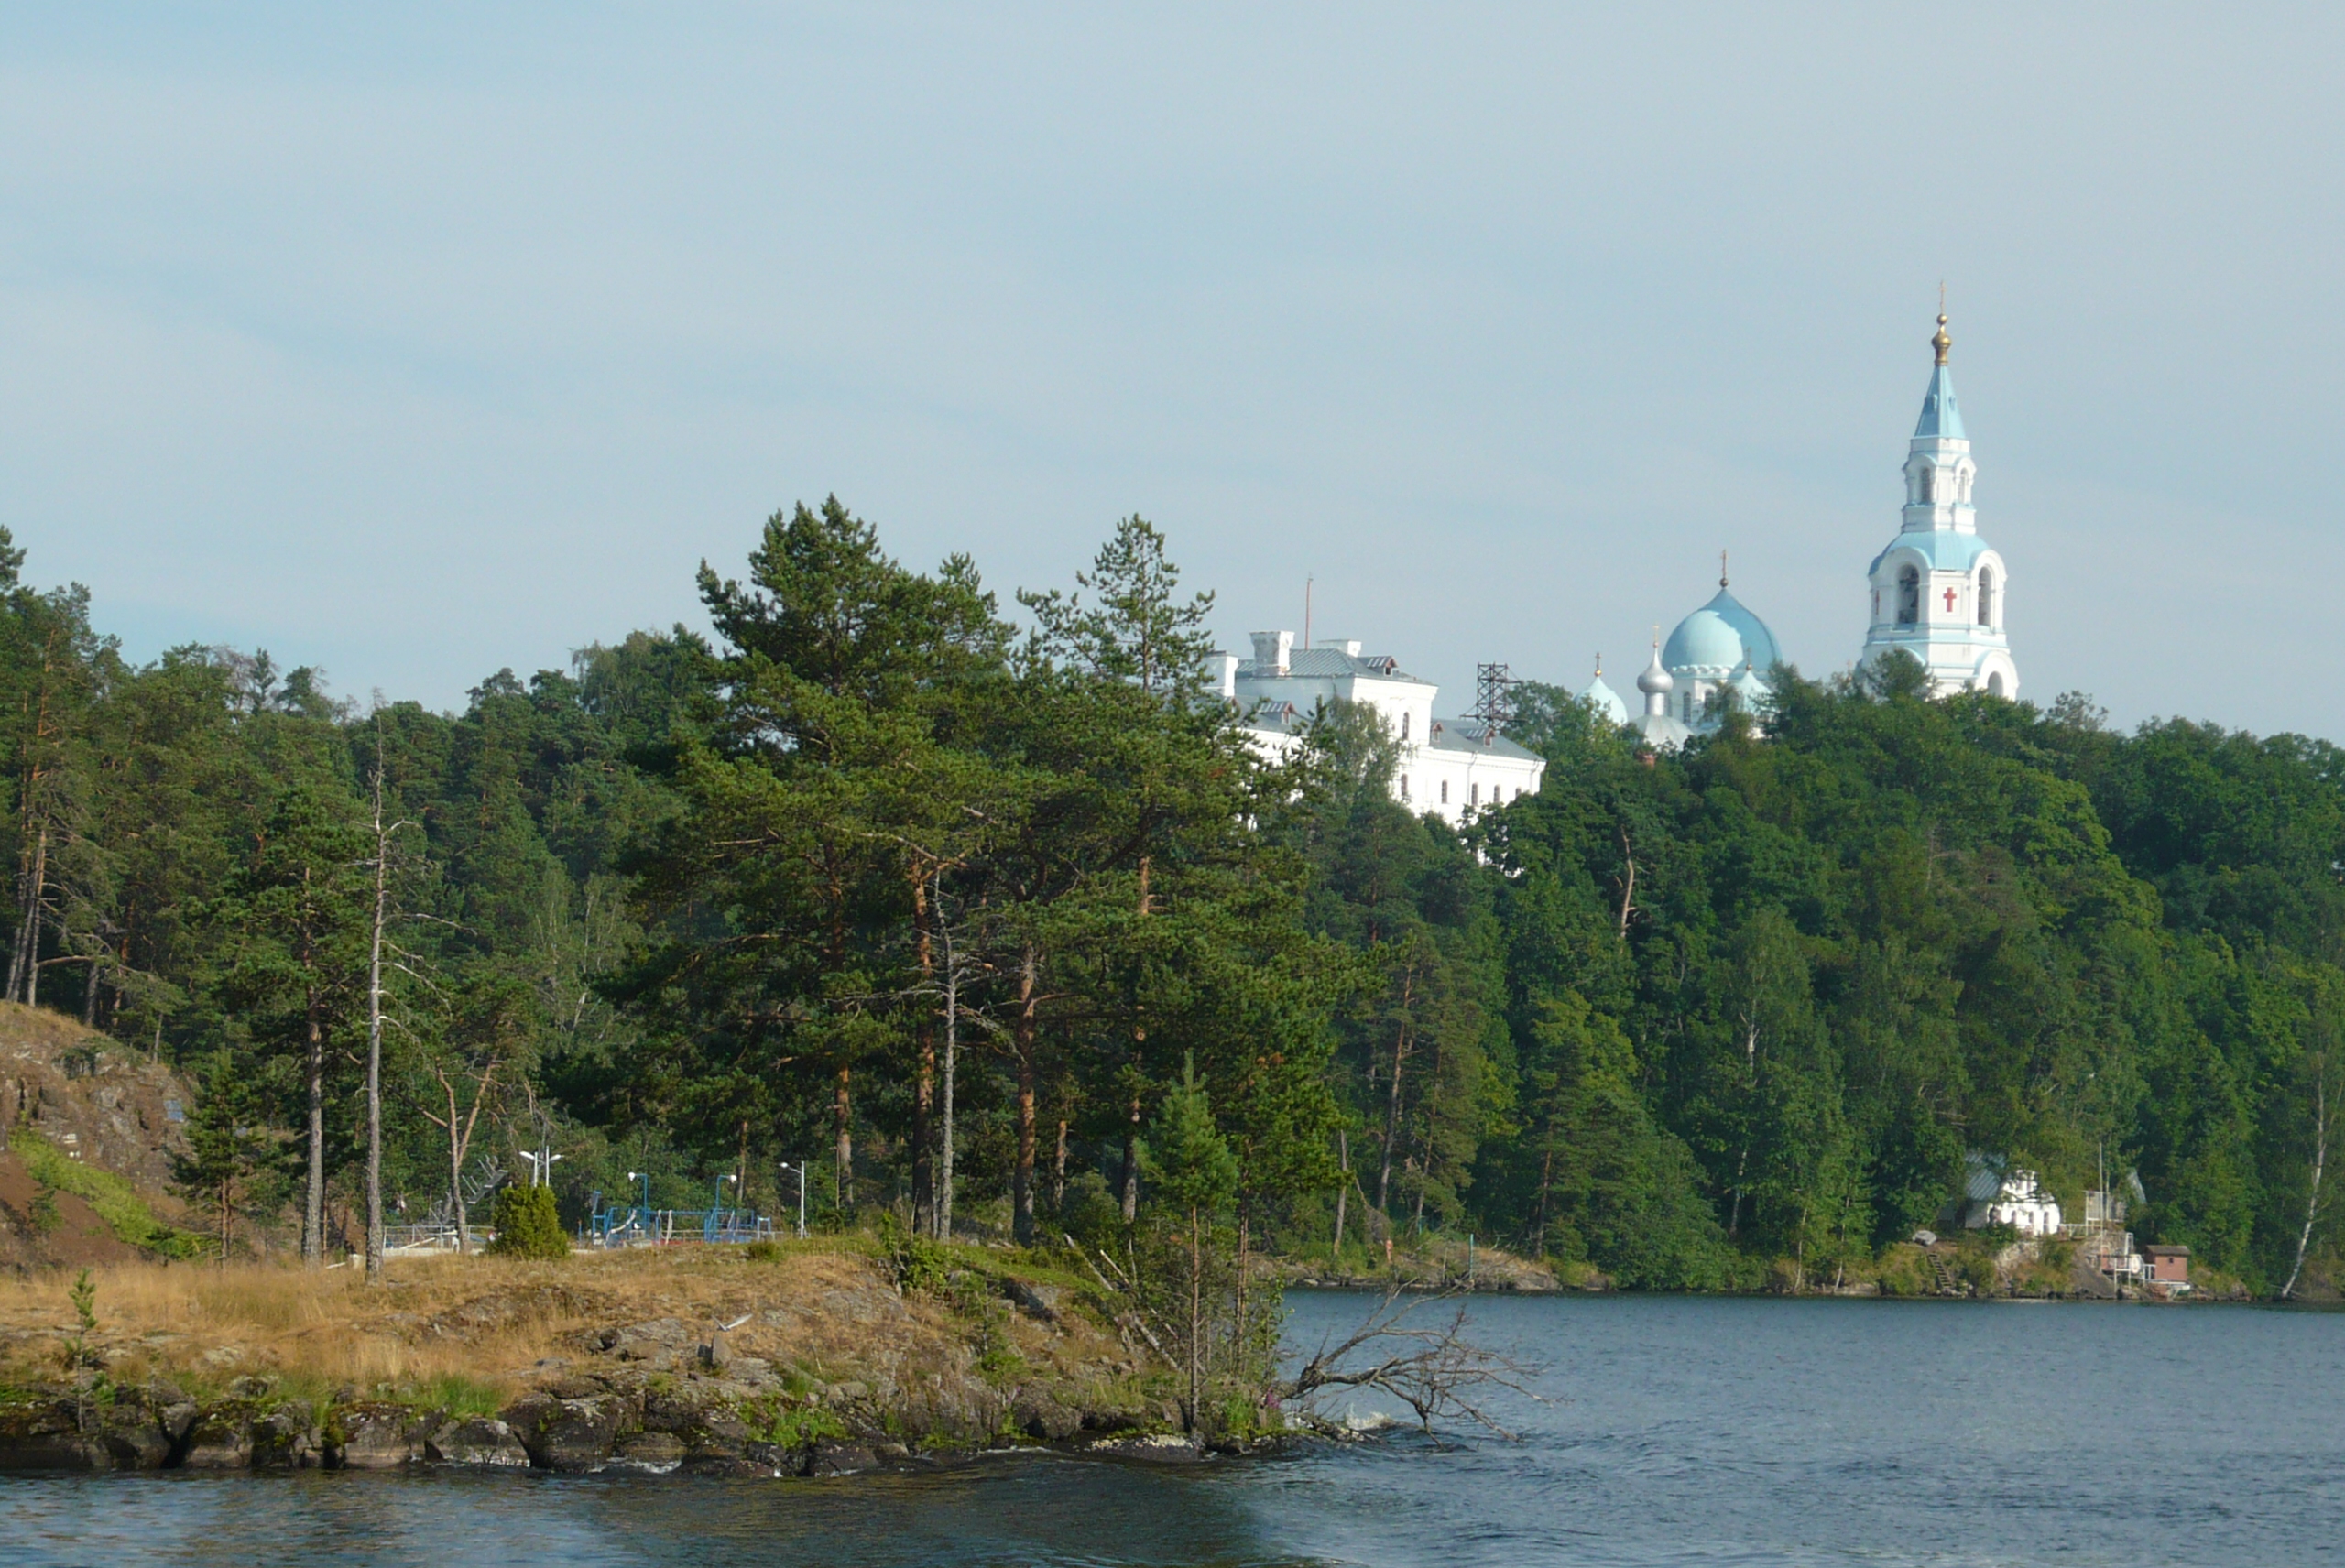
x=1939, y=590
x=1451, y=768
x=1938, y=593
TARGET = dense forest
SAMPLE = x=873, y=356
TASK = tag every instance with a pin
x=973, y=912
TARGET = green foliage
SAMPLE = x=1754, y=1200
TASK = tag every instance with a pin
x=1193, y=1168
x=775, y=1418
x=119, y=1203
x=695, y=907
x=459, y=1396
x=528, y=1225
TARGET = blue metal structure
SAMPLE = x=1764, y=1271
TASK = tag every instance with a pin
x=637, y=1226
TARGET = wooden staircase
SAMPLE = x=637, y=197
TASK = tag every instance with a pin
x=1942, y=1269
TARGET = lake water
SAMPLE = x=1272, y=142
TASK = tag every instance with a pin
x=1676, y=1431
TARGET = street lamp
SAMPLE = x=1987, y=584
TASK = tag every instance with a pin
x=540, y=1166
x=718, y=1201
x=800, y=1171
x=644, y=1177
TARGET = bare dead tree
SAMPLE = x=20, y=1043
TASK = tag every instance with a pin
x=1431, y=1366
x=2324, y=1115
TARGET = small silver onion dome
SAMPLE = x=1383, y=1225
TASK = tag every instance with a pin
x=1656, y=679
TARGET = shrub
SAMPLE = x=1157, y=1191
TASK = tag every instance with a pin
x=528, y=1224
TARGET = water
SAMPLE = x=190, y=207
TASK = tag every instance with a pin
x=1679, y=1431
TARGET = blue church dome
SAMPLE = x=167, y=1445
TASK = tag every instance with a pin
x=1716, y=640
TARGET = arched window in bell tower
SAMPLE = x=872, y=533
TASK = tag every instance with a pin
x=1909, y=595
x=1986, y=595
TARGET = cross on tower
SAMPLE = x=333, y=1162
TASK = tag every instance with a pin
x=1949, y=601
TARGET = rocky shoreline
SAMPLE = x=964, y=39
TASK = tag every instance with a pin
x=816, y=1363
x=576, y=1426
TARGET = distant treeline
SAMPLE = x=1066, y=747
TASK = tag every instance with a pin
x=943, y=907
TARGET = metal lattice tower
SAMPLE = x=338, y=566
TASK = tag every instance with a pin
x=1493, y=704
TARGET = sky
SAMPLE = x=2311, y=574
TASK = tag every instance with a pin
x=416, y=342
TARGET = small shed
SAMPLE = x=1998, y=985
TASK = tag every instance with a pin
x=2167, y=1264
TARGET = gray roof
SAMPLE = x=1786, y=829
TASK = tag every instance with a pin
x=1323, y=664
x=1473, y=735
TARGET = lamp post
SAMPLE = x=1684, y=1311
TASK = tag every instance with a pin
x=644, y=1177
x=540, y=1166
x=800, y=1170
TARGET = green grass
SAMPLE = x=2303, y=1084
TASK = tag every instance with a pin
x=771, y=1421
x=460, y=1396
x=116, y=1201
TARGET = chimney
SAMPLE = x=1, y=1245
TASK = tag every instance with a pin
x=1273, y=651
x=1222, y=670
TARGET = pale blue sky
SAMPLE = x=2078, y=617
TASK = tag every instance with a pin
x=418, y=341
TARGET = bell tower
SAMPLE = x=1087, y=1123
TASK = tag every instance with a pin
x=1939, y=590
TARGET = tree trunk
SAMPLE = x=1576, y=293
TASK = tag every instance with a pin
x=2319, y=1160
x=842, y=1151
x=1546, y=1186
x=1391, y=1123
x=313, y=1195
x=27, y=954
x=1058, y=1173
x=1343, y=1187
x=1131, y=1161
x=951, y=1068
x=925, y=1194
x=1022, y=1041
x=1196, y=1317
x=374, y=1043
x=456, y=1171
x=1628, y=882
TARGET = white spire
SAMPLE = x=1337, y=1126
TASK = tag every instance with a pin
x=1937, y=590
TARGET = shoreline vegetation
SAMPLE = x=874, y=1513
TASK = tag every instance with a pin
x=826, y=1357
x=927, y=918
x=829, y=1356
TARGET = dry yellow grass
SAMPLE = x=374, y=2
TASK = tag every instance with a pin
x=492, y=1323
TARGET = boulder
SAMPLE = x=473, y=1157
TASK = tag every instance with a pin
x=1044, y=1419
x=142, y=1428
x=1038, y=1301
x=658, y=1452
x=43, y=1431
x=371, y=1436
x=840, y=1456
x=285, y=1439
x=566, y=1434
x=716, y=1351
x=484, y=1441
x=220, y=1438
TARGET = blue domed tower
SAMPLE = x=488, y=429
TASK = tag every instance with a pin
x=1939, y=590
x=1720, y=646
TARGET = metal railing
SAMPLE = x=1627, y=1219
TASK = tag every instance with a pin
x=640, y=1226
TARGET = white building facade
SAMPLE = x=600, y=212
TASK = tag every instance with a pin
x=1939, y=592
x=1451, y=768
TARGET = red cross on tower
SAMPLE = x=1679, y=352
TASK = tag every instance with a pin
x=1949, y=601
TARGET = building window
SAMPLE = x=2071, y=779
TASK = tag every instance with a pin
x=1474, y=794
x=1986, y=596
x=1909, y=595
x=1444, y=791
x=1404, y=728
x=1404, y=786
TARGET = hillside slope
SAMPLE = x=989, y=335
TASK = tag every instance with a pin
x=88, y=1100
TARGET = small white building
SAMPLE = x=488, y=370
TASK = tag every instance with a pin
x=1451, y=768
x=2016, y=1201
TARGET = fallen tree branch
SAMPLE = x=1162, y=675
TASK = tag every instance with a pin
x=1433, y=1368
